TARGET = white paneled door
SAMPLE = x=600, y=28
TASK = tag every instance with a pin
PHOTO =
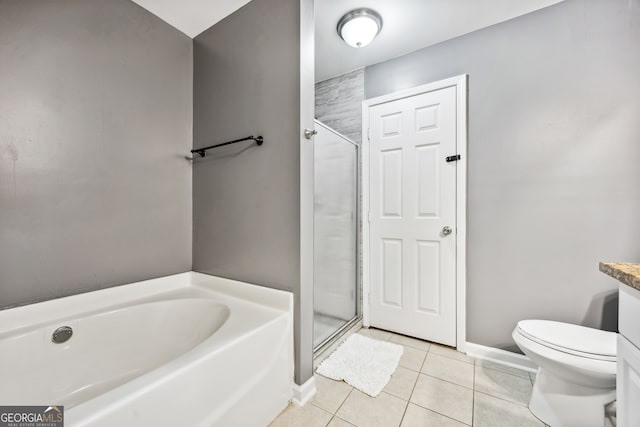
x=412, y=202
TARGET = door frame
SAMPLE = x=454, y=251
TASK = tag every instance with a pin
x=460, y=83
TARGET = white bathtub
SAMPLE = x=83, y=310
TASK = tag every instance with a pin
x=182, y=350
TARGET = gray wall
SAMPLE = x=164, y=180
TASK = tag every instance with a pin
x=95, y=120
x=246, y=211
x=554, y=145
x=339, y=103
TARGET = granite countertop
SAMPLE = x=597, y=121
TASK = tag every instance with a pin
x=627, y=273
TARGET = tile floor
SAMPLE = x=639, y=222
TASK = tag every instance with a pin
x=433, y=386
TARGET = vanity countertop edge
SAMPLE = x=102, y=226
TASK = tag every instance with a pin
x=627, y=273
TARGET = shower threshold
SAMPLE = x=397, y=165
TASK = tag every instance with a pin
x=335, y=336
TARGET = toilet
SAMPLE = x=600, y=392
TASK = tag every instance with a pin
x=577, y=371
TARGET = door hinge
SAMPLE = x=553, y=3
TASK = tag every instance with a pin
x=369, y=134
x=369, y=216
x=453, y=158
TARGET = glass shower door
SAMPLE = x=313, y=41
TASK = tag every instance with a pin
x=336, y=293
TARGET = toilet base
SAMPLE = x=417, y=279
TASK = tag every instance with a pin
x=559, y=403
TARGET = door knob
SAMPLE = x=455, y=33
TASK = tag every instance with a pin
x=446, y=230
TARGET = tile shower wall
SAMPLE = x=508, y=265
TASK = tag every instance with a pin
x=339, y=103
x=95, y=121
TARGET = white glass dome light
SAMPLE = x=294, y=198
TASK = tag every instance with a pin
x=359, y=27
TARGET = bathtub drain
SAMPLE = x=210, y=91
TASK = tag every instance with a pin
x=62, y=334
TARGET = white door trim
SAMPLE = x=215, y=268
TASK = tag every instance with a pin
x=460, y=83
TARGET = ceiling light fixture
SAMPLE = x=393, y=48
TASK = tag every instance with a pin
x=359, y=27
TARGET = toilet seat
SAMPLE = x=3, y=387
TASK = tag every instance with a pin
x=571, y=339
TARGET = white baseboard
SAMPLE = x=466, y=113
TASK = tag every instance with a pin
x=502, y=357
x=303, y=393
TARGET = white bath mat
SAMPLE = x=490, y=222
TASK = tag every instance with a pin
x=365, y=363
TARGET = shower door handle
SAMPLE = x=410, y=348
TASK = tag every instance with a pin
x=308, y=133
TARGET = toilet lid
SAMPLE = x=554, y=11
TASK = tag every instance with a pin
x=574, y=339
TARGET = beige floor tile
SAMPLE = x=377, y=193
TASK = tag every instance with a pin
x=416, y=416
x=410, y=342
x=377, y=334
x=443, y=397
x=308, y=415
x=364, y=411
x=503, y=368
x=500, y=384
x=401, y=383
x=489, y=411
x=450, y=352
x=412, y=358
x=330, y=394
x=449, y=369
x=339, y=422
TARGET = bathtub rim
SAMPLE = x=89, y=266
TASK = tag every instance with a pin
x=162, y=288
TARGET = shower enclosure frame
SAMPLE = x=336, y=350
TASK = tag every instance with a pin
x=320, y=347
